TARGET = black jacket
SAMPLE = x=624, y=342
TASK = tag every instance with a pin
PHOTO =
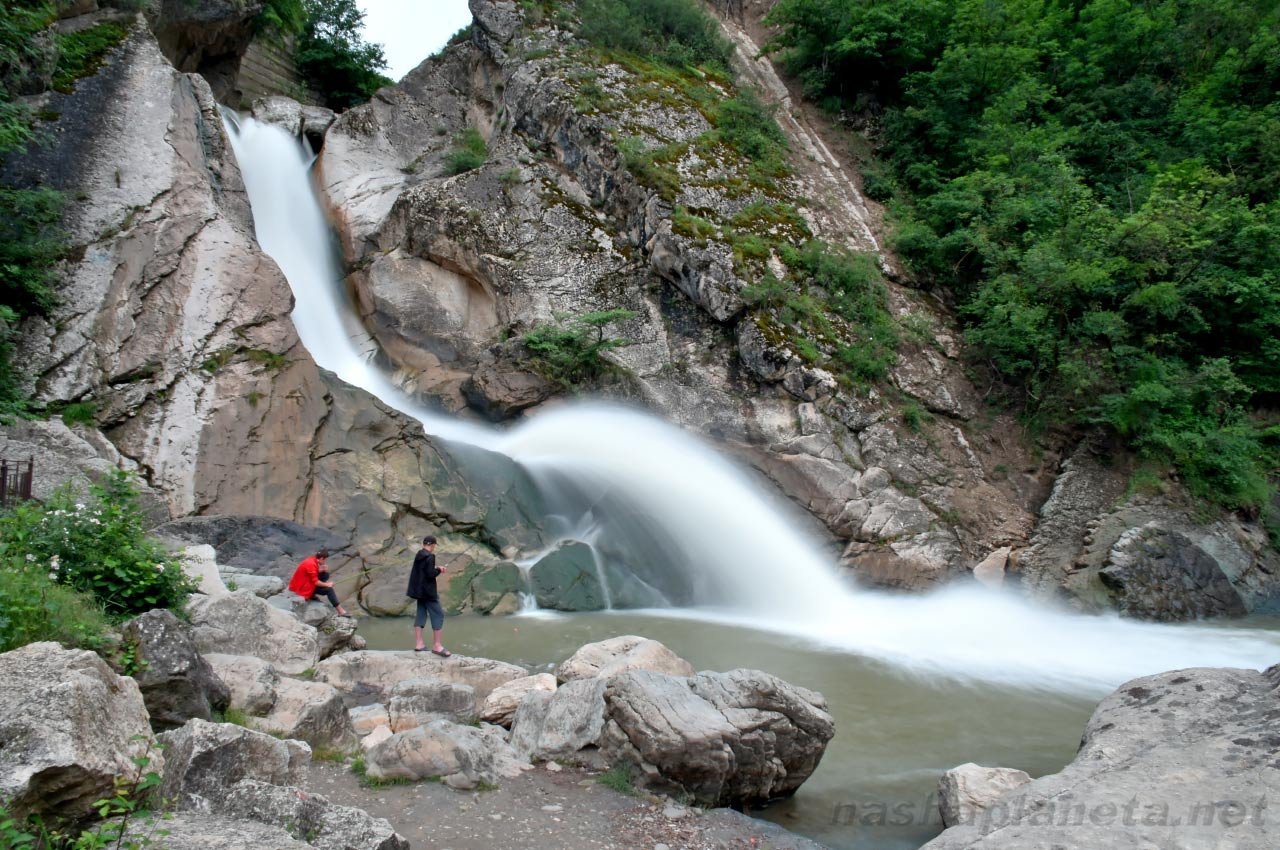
x=422, y=580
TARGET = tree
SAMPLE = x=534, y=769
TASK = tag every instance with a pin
x=333, y=56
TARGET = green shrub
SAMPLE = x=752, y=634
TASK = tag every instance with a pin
x=98, y=546
x=469, y=152
x=747, y=125
x=80, y=413
x=620, y=778
x=34, y=607
x=80, y=54
x=569, y=354
x=333, y=56
x=652, y=167
x=283, y=17
x=676, y=32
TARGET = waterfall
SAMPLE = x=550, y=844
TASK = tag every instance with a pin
x=673, y=521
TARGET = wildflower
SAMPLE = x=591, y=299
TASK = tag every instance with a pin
x=159, y=568
x=30, y=557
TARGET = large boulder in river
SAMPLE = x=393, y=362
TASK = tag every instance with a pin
x=370, y=671
x=177, y=682
x=1180, y=759
x=68, y=727
x=242, y=624
x=617, y=655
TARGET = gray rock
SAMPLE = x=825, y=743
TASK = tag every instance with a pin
x=1157, y=574
x=616, y=655
x=1179, y=759
x=197, y=831
x=416, y=702
x=251, y=681
x=500, y=706
x=562, y=723
x=261, y=545
x=370, y=671
x=308, y=711
x=500, y=393
x=464, y=756
x=566, y=579
x=242, y=624
x=334, y=632
x=263, y=587
x=965, y=792
x=177, y=683
x=283, y=112
x=68, y=726
x=325, y=825
x=204, y=760
x=366, y=718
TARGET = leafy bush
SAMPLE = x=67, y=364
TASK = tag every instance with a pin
x=676, y=32
x=34, y=607
x=747, y=126
x=569, y=354
x=334, y=58
x=283, y=17
x=98, y=546
x=469, y=152
x=1098, y=184
x=81, y=53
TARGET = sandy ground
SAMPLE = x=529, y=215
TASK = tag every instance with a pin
x=564, y=810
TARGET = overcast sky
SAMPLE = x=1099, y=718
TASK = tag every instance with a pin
x=411, y=30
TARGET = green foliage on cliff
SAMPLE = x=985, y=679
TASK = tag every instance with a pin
x=1098, y=183
x=568, y=353
x=469, y=152
x=676, y=32
x=80, y=53
x=333, y=56
x=98, y=546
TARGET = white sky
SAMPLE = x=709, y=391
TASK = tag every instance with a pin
x=411, y=30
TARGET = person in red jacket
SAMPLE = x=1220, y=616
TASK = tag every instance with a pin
x=311, y=579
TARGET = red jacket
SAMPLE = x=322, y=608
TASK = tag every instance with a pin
x=305, y=578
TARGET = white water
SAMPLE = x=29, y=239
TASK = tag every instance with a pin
x=664, y=505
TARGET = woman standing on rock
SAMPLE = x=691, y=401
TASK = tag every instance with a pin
x=422, y=587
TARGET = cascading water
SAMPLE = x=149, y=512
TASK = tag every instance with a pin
x=675, y=522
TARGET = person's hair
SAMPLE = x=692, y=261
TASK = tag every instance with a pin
x=428, y=540
x=322, y=554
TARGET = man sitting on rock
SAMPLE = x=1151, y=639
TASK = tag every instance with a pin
x=311, y=579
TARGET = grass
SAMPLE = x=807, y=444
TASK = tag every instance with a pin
x=619, y=778
x=361, y=769
x=81, y=53
x=328, y=754
x=234, y=716
x=80, y=413
x=469, y=152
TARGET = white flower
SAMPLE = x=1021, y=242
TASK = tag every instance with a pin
x=79, y=506
x=159, y=568
x=30, y=557
x=55, y=561
x=53, y=576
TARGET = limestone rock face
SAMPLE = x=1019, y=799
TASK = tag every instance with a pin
x=327, y=826
x=1179, y=759
x=59, y=756
x=283, y=112
x=308, y=711
x=251, y=681
x=464, y=756
x=557, y=724
x=204, y=760
x=610, y=657
x=177, y=683
x=500, y=706
x=375, y=671
x=965, y=792
x=1162, y=575
x=242, y=624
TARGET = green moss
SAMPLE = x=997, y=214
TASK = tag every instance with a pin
x=82, y=53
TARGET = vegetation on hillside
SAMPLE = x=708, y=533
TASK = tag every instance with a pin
x=1096, y=182
x=332, y=55
x=568, y=352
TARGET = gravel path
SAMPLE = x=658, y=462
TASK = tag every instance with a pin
x=555, y=810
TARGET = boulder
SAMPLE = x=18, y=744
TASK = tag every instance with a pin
x=378, y=671
x=200, y=563
x=1179, y=759
x=204, y=760
x=1158, y=574
x=176, y=682
x=325, y=825
x=68, y=727
x=242, y=624
x=316, y=121
x=197, y=831
x=500, y=706
x=990, y=570
x=335, y=632
x=562, y=723
x=567, y=580
x=251, y=681
x=263, y=587
x=377, y=736
x=283, y=112
x=616, y=655
x=463, y=756
x=308, y=711
x=418, y=701
x=965, y=792
x=500, y=392
x=366, y=718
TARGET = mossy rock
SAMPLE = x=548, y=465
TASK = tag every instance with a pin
x=566, y=580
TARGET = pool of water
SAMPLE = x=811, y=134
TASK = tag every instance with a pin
x=895, y=733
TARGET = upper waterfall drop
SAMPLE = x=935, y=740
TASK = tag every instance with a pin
x=662, y=505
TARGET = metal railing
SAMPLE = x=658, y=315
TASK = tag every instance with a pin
x=15, y=481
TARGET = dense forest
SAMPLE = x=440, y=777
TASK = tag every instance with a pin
x=1095, y=183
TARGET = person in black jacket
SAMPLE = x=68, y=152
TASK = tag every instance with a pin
x=422, y=587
